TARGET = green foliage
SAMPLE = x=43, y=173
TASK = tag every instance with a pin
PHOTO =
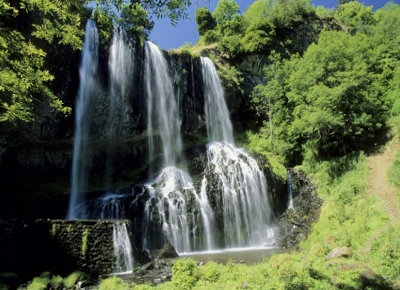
x=104, y=23
x=259, y=36
x=183, y=273
x=24, y=80
x=212, y=36
x=39, y=283
x=225, y=11
x=385, y=253
x=210, y=272
x=394, y=173
x=172, y=9
x=60, y=21
x=344, y=220
x=113, y=283
x=322, y=102
x=57, y=282
x=231, y=78
x=258, y=144
x=205, y=21
x=136, y=20
x=354, y=16
x=323, y=12
x=258, y=10
x=232, y=45
x=284, y=13
x=74, y=278
x=84, y=243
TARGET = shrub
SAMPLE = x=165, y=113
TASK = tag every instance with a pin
x=39, y=283
x=57, y=282
x=183, y=273
x=210, y=272
x=74, y=278
x=113, y=283
x=212, y=36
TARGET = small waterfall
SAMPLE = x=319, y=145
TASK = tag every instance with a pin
x=87, y=89
x=245, y=204
x=162, y=110
x=109, y=206
x=122, y=248
x=290, y=191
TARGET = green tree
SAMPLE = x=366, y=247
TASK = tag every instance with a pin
x=225, y=11
x=204, y=20
x=336, y=109
x=259, y=36
x=284, y=13
x=327, y=102
x=24, y=78
x=257, y=11
x=354, y=16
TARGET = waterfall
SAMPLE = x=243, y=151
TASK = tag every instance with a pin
x=290, y=191
x=173, y=197
x=87, y=89
x=219, y=126
x=171, y=194
x=207, y=215
x=122, y=248
x=109, y=206
x=121, y=67
x=162, y=109
x=246, y=211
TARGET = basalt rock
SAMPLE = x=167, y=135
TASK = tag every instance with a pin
x=295, y=224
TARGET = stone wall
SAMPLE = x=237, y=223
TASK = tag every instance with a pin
x=32, y=247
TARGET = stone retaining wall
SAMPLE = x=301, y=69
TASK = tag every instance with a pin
x=59, y=246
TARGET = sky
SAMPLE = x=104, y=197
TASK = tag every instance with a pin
x=168, y=36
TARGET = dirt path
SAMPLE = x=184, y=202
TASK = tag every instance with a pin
x=379, y=184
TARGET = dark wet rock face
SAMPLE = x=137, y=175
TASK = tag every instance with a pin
x=296, y=224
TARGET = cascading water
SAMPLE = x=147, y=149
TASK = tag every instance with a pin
x=121, y=67
x=245, y=205
x=290, y=191
x=173, y=187
x=219, y=126
x=87, y=89
x=244, y=196
x=122, y=248
x=231, y=209
x=162, y=110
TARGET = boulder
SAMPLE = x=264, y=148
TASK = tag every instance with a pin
x=338, y=253
x=166, y=252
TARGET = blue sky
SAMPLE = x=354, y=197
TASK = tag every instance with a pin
x=168, y=36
